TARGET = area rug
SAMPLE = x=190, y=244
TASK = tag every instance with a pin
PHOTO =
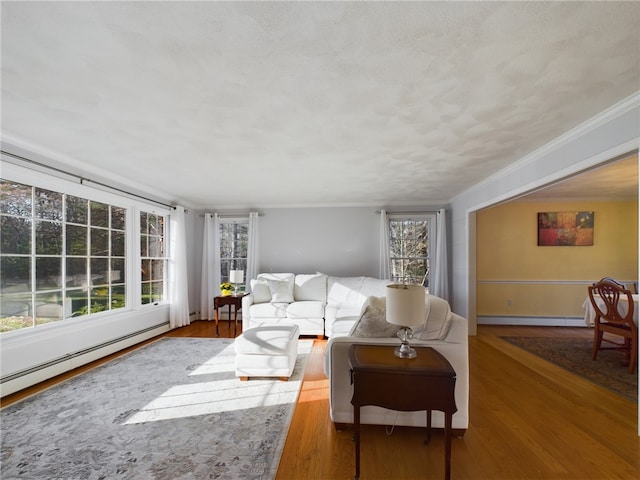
x=170, y=410
x=574, y=354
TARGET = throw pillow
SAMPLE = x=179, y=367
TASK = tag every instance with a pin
x=280, y=291
x=260, y=291
x=373, y=324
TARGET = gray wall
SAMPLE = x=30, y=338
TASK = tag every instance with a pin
x=335, y=241
x=341, y=241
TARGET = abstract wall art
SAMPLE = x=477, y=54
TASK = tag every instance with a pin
x=562, y=229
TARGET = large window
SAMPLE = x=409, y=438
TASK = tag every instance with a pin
x=234, y=241
x=411, y=243
x=61, y=256
x=153, y=258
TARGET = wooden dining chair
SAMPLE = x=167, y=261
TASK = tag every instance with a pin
x=610, y=319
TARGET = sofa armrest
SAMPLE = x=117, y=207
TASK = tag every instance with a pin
x=247, y=301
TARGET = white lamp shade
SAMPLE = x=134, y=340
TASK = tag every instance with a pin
x=236, y=276
x=405, y=305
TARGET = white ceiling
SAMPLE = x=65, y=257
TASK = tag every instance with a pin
x=255, y=104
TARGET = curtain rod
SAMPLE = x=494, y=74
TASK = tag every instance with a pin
x=231, y=215
x=83, y=179
x=417, y=212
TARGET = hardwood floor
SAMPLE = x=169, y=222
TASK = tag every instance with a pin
x=528, y=420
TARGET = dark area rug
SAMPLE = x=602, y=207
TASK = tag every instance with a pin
x=574, y=354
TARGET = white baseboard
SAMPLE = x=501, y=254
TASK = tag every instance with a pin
x=40, y=374
x=533, y=321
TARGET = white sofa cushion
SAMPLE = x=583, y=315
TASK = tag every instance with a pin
x=269, y=310
x=260, y=291
x=305, y=309
x=310, y=287
x=345, y=290
x=280, y=291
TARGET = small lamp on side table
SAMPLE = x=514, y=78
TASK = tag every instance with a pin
x=405, y=307
x=236, y=277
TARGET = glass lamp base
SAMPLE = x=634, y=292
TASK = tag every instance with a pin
x=405, y=350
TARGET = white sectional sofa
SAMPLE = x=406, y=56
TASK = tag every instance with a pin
x=445, y=331
x=319, y=304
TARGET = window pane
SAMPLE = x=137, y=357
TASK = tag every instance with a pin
x=77, y=209
x=152, y=224
x=99, y=214
x=117, y=271
x=156, y=247
x=15, y=274
x=99, y=271
x=118, y=217
x=117, y=296
x=48, y=238
x=146, y=270
x=144, y=220
x=156, y=291
x=157, y=269
x=117, y=244
x=48, y=204
x=15, y=312
x=15, y=198
x=99, y=299
x=49, y=308
x=99, y=242
x=144, y=248
x=48, y=273
x=76, y=240
x=77, y=272
x=146, y=294
x=79, y=302
x=15, y=235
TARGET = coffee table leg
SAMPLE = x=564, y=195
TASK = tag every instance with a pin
x=356, y=435
x=428, y=427
x=447, y=445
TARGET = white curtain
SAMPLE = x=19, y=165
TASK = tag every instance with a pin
x=252, y=249
x=440, y=279
x=178, y=280
x=210, y=279
x=383, y=270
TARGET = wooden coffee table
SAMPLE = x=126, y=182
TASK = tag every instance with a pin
x=426, y=382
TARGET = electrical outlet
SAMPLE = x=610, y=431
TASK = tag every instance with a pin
x=510, y=303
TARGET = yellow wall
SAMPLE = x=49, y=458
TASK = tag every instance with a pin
x=516, y=277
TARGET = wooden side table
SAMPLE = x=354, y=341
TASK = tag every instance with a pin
x=234, y=301
x=423, y=383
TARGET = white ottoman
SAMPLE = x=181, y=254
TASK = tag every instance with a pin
x=267, y=351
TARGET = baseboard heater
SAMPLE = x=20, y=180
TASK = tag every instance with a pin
x=69, y=356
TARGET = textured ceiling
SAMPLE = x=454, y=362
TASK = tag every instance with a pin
x=243, y=104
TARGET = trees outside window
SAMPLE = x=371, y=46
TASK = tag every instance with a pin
x=234, y=241
x=411, y=244
x=61, y=256
x=153, y=258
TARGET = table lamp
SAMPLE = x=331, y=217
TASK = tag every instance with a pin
x=405, y=307
x=236, y=277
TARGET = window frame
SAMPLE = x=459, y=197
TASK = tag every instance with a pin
x=140, y=281
x=234, y=262
x=61, y=183
x=429, y=258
